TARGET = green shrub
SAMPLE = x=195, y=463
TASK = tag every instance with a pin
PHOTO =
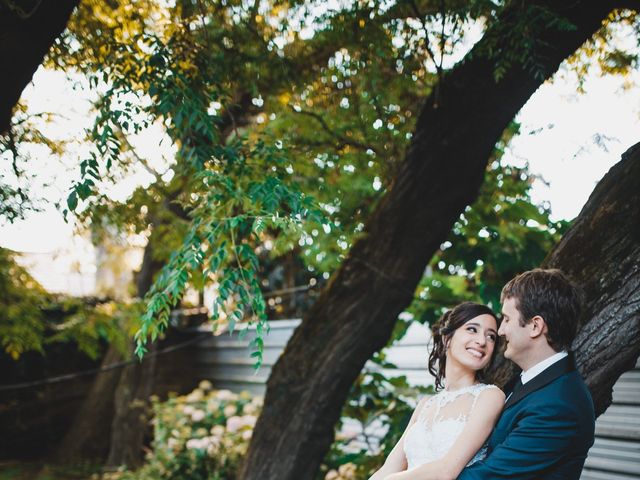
x=205, y=435
x=200, y=436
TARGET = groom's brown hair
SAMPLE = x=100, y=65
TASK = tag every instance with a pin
x=550, y=294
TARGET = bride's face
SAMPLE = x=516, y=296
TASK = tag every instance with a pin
x=472, y=344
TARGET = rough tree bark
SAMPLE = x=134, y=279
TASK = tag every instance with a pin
x=441, y=175
x=88, y=438
x=135, y=386
x=601, y=252
x=131, y=412
x=27, y=31
x=112, y=420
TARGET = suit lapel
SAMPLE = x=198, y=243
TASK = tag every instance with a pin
x=566, y=365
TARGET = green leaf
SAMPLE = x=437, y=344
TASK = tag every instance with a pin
x=72, y=201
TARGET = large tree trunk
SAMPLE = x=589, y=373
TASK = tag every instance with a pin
x=441, y=175
x=112, y=421
x=27, y=31
x=88, y=436
x=131, y=419
x=601, y=252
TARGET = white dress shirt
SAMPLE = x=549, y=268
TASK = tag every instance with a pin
x=539, y=367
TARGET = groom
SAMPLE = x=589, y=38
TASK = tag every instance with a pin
x=547, y=425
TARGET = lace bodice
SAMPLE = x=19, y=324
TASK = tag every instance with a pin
x=440, y=422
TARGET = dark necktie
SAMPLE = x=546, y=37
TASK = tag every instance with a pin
x=516, y=386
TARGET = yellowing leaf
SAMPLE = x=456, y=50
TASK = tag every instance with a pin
x=185, y=64
x=284, y=98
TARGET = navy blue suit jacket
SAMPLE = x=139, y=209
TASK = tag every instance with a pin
x=545, y=431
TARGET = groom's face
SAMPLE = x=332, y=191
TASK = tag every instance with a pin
x=517, y=338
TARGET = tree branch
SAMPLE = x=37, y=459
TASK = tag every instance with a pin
x=24, y=42
x=343, y=139
x=441, y=174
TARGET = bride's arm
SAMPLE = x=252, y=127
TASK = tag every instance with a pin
x=475, y=433
x=396, y=461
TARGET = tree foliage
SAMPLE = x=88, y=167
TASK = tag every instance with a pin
x=31, y=318
x=324, y=99
x=21, y=322
x=288, y=122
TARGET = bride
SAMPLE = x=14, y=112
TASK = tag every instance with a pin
x=448, y=430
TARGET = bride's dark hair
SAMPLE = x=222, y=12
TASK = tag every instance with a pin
x=443, y=330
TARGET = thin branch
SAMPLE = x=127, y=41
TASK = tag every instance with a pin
x=203, y=14
x=319, y=143
x=456, y=25
x=439, y=70
x=141, y=160
x=442, y=38
x=236, y=114
x=426, y=32
x=247, y=285
x=169, y=197
x=325, y=126
x=177, y=209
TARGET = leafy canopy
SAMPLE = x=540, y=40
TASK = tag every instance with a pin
x=287, y=121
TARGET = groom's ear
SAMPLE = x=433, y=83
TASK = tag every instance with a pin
x=537, y=327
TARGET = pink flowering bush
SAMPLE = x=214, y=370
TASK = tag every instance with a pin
x=200, y=436
x=373, y=419
x=205, y=435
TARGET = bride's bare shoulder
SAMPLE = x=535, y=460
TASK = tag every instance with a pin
x=492, y=394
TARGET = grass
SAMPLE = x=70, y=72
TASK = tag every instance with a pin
x=14, y=470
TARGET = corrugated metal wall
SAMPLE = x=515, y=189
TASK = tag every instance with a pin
x=225, y=359
x=615, y=454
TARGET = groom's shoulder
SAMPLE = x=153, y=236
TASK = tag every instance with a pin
x=572, y=382
x=567, y=399
x=568, y=389
x=573, y=385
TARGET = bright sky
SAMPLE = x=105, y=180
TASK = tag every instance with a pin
x=569, y=139
x=577, y=139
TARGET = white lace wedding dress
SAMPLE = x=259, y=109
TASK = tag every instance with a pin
x=440, y=422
